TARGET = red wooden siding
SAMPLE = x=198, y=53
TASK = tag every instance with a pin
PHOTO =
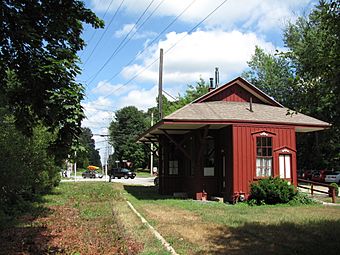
x=234, y=93
x=244, y=152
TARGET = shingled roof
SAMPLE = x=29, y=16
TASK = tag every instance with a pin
x=240, y=112
x=218, y=113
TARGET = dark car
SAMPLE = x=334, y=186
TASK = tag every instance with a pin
x=91, y=174
x=121, y=172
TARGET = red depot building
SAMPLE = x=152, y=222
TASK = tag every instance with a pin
x=227, y=139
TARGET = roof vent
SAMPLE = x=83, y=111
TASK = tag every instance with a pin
x=211, y=87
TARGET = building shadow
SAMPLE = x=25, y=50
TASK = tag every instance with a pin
x=145, y=192
x=322, y=237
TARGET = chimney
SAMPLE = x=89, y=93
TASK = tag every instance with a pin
x=251, y=104
x=211, y=87
x=217, y=77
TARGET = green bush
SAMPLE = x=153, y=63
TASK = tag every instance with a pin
x=301, y=199
x=27, y=169
x=271, y=191
x=336, y=188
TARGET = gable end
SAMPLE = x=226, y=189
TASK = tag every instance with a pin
x=238, y=90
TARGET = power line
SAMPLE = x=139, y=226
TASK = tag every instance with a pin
x=154, y=40
x=120, y=44
x=141, y=25
x=94, y=32
x=102, y=35
x=174, y=98
x=173, y=46
x=198, y=24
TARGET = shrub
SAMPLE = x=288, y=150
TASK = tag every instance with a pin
x=333, y=184
x=301, y=199
x=271, y=191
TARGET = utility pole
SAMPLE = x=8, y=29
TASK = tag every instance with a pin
x=160, y=85
x=151, y=156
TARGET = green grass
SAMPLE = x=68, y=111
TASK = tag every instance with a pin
x=105, y=202
x=239, y=229
x=194, y=227
x=143, y=174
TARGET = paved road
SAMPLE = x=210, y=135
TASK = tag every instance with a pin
x=145, y=181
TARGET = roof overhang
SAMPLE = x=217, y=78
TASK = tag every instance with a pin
x=180, y=127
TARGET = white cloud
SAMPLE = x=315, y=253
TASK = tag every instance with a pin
x=98, y=113
x=197, y=54
x=141, y=98
x=131, y=30
x=106, y=88
x=127, y=28
x=263, y=15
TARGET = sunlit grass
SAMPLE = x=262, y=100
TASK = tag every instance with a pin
x=195, y=227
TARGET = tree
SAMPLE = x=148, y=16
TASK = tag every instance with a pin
x=88, y=155
x=273, y=75
x=314, y=50
x=27, y=170
x=129, y=122
x=307, y=79
x=38, y=46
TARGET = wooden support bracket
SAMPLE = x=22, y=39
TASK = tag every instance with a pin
x=178, y=145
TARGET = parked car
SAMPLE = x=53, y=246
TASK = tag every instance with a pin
x=333, y=177
x=319, y=176
x=306, y=174
x=121, y=172
x=91, y=174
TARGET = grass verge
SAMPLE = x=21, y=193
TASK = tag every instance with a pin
x=94, y=218
x=194, y=227
x=79, y=218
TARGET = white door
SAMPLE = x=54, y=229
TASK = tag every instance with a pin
x=285, y=166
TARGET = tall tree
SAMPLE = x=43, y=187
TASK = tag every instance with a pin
x=272, y=74
x=88, y=155
x=129, y=122
x=38, y=64
x=314, y=51
x=306, y=78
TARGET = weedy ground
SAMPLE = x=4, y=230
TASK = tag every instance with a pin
x=93, y=218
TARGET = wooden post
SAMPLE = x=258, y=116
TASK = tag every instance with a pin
x=333, y=195
x=311, y=189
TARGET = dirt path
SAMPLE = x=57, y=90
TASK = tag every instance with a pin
x=61, y=231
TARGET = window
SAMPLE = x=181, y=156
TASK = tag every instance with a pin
x=173, y=159
x=264, y=157
x=285, y=166
x=173, y=167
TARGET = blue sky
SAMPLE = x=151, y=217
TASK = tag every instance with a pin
x=120, y=65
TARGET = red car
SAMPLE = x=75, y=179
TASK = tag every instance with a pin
x=306, y=174
x=319, y=176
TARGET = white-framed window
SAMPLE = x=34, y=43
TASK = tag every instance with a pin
x=173, y=167
x=264, y=157
x=285, y=166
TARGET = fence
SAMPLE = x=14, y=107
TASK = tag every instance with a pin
x=331, y=190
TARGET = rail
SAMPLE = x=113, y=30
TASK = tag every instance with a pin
x=331, y=190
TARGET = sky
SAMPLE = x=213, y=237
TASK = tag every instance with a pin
x=120, y=62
